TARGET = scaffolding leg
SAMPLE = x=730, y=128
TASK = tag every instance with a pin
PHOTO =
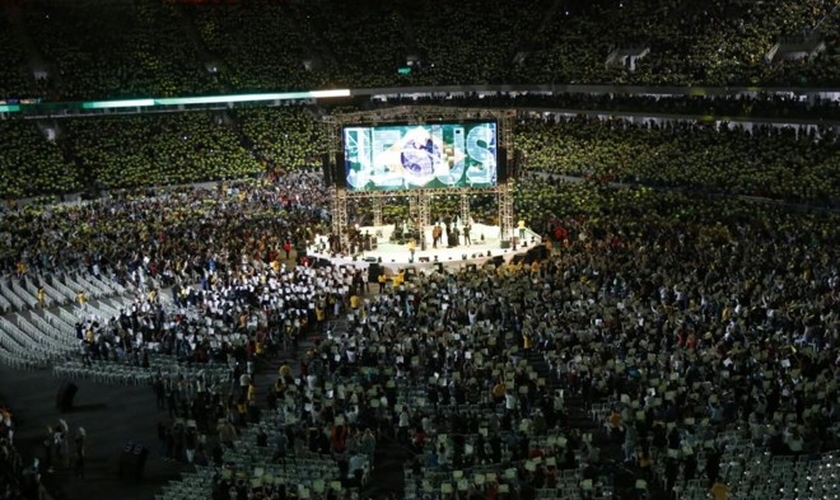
x=377, y=211
x=465, y=208
x=339, y=220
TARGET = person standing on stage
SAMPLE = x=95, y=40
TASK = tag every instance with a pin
x=467, y=228
x=412, y=247
x=437, y=232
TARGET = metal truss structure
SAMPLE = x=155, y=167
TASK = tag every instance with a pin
x=377, y=211
x=419, y=199
x=505, y=199
x=464, y=200
x=339, y=217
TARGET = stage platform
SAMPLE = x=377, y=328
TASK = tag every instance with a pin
x=394, y=256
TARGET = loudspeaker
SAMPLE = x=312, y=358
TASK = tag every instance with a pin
x=374, y=271
x=504, y=244
x=133, y=461
x=501, y=166
x=340, y=174
x=425, y=259
x=327, y=168
x=498, y=260
x=66, y=392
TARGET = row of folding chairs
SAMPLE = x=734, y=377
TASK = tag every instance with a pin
x=19, y=360
x=51, y=343
x=68, y=295
x=37, y=325
x=438, y=481
x=117, y=373
x=60, y=289
x=765, y=476
x=190, y=486
x=27, y=342
x=92, y=286
x=11, y=299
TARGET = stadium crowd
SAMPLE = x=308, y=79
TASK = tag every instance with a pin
x=652, y=308
x=668, y=332
x=55, y=49
x=726, y=107
x=792, y=163
x=660, y=303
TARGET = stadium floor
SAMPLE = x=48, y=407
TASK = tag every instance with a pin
x=112, y=417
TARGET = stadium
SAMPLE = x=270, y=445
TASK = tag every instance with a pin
x=434, y=250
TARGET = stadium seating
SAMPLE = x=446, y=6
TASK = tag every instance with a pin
x=29, y=151
x=120, y=49
x=13, y=80
x=143, y=151
x=664, y=278
x=169, y=49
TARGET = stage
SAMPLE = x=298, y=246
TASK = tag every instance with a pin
x=486, y=244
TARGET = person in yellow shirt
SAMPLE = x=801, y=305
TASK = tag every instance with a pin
x=355, y=301
x=720, y=491
x=81, y=298
x=398, y=279
x=42, y=297
x=382, y=281
x=412, y=247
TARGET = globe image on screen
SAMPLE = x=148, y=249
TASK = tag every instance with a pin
x=418, y=165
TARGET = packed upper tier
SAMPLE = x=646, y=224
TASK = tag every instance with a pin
x=73, y=50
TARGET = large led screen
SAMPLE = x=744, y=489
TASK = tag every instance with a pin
x=435, y=155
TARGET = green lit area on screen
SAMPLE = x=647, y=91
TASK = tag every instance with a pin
x=9, y=108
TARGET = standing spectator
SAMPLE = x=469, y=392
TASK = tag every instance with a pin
x=79, y=453
x=160, y=392
x=412, y=247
